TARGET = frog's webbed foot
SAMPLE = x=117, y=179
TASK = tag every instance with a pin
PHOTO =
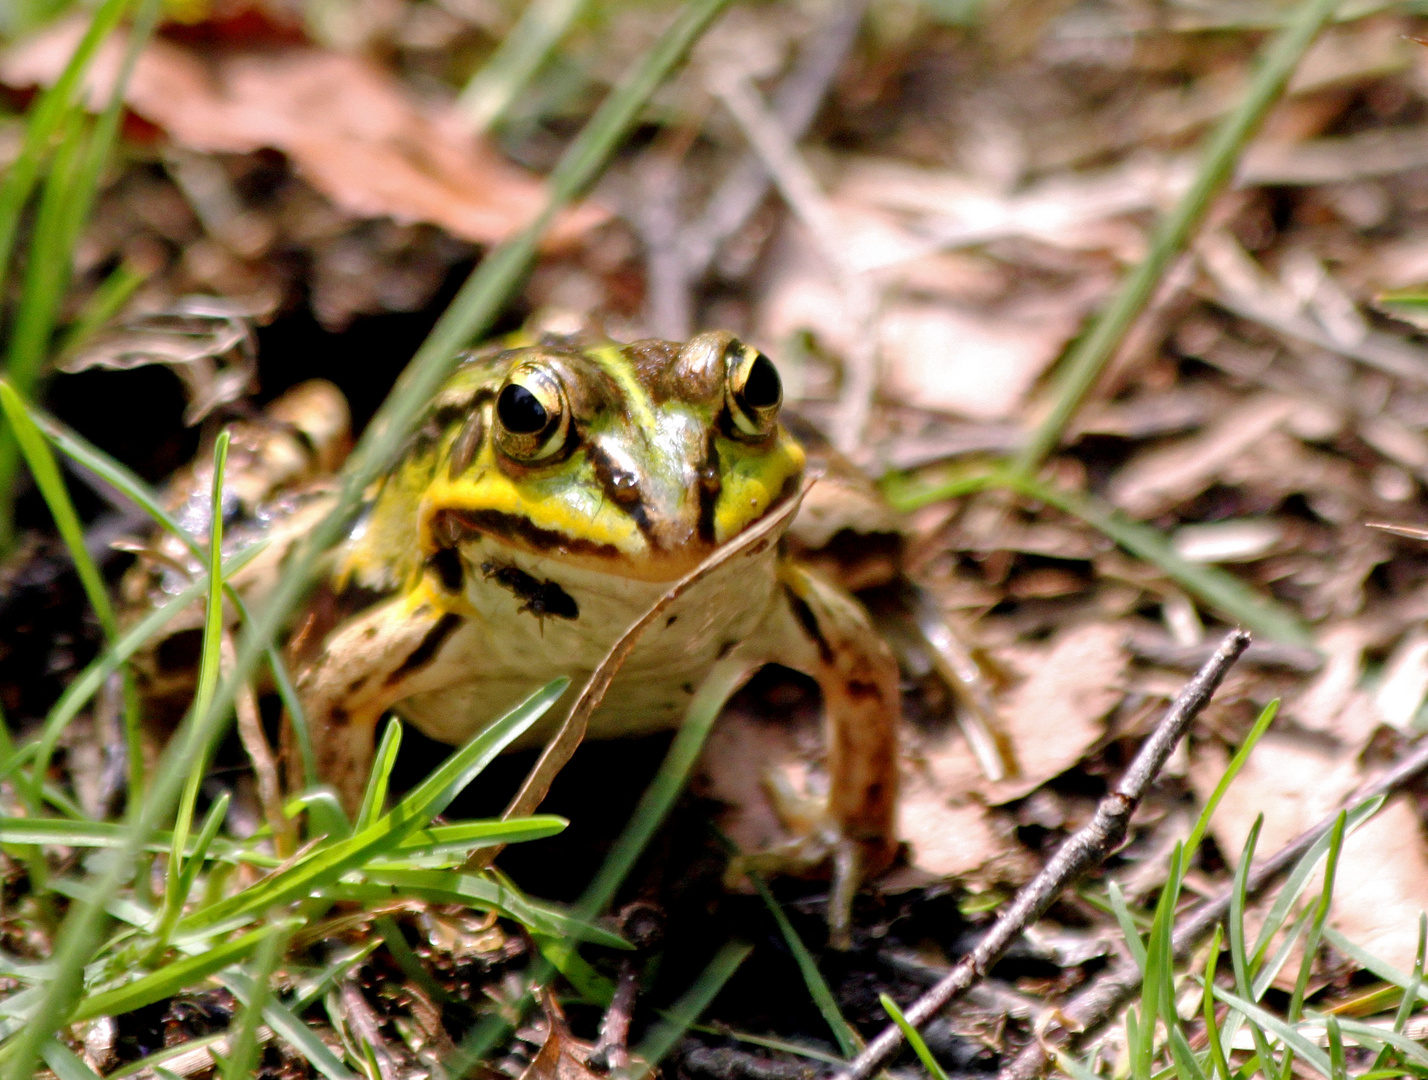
x=852, y=830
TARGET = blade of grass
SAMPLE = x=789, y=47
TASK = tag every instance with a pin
x=510, y=68
x=1239, y=959
x=914, y=1039
x=1134, y=942
x=207, y=668
x=848, y=1040
x=1287, y=1034
x=1090, y=355
x=1298, y=878
x=64, y=208
x=374, y=799
x=46, y=473
x=102, y=305
x=1219, y=590
x=662, y=1037
x=1316, y=928
x=41, y=461
x=1261, y=725
x=288, y=1027
x=44, y=119
x=470, y=314
x=177, y=976
x=1212, y=1028
x=243, y=1044
x=414, y=811
x=182, y=875
x=67, y=1065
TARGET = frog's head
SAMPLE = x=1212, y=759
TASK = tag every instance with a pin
x=639, y=459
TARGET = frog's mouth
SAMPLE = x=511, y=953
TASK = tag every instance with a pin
x=645, y=558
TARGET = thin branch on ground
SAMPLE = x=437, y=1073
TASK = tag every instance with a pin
x=1082, y=851
x=1100, y=1001
x=612, y=1051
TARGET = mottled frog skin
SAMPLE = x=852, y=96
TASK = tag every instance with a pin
x=551, y=497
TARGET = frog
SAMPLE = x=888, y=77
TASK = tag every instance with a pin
x=552, y=494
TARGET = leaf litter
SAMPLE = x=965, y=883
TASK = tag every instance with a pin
x=990, y=182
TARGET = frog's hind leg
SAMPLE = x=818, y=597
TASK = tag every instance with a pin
x=363, y=668
x=827, y=635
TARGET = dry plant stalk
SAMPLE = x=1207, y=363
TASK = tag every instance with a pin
x=1083, y=850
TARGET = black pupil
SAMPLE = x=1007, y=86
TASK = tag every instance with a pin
x=762, y=389
x=520, y=412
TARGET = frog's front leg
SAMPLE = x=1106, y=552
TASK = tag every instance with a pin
x=824, y=633
x=365, y=667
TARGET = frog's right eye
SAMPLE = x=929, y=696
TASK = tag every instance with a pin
x=532, y=418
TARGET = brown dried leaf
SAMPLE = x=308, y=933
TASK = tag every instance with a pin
x=562, y=1056
x=351, y=129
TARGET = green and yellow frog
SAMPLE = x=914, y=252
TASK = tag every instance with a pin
x=552, y=495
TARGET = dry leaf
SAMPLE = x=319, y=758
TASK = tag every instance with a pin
x=1052, y=717
x=562, y=1056
x=349, y=128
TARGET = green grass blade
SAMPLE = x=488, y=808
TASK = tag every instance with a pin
x=723, y=679
x=297, y=717
x=1316, y=927
x=479, y=890
x=288, y=1027
x=510, y=68
x=1287, y=1034
x=1220, y=590
x=74, y=446
x=1410, y=992
x=66, y=1064
x=1083, y=366
x=663, y=1036
x=1412, y=1048
x=848, y=1040
x=102, y=305
x=1159, y=971
x=1239, y=957
x=183, y=874
x=1304, y=869
x=46, y=473
x=1207, y=1004
x=428, y=799
x=208, y=661
x=1337, y=1062
x=1371, y=963
x=374, y=799
x=243, y=1043
x=914, y=1039
x=44, y=119
x=1261, y=725
x=1134, y=942
x=175, y=977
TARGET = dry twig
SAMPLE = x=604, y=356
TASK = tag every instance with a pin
x=1090, y=1009
x=1083, y=850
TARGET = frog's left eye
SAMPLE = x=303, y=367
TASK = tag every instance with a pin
x=754, y=392
x=532, y=419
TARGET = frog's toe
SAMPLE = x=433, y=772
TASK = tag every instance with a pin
x=823, y=846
